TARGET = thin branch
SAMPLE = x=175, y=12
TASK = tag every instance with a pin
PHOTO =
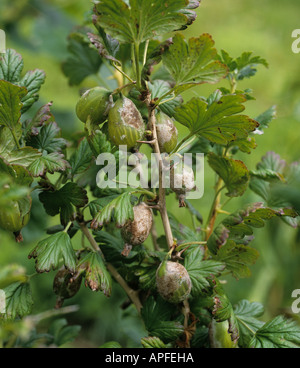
x=147, y=142
x=123, y=73
x=186, y=144
x=52, y=313
x=90, y=238
x=68, y=226
x=165, y=95
x=186, y=313
x=137, y=64
x=132, y=294
x=119, y=89
x=184, y=140
x=182, y=246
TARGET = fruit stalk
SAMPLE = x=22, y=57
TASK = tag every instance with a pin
x=213, y=212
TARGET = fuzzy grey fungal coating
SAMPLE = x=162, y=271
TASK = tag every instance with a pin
x=173, y=282
x=137, y=231
x=182, y=180
x=130, y=114
x=125, y=123
x=167, y=133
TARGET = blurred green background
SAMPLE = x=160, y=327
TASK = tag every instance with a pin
x=38, y=29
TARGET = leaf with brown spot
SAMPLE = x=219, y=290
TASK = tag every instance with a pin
x=239, y=225
x=237, y=258
x=97, y=278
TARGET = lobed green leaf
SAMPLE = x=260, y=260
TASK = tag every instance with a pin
x=49, y=252
x=193, y=62
x=220, y=122
x=18, y=300
x=233, y=172
x=139, y=20
x=64, y=200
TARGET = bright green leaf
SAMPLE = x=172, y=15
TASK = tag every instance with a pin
x=32, y=81
x=199, y=270
x=265, y=119
x=245, y=144
x=10, y=104
x=98, y=204
x=120, y=209
x=243, y=66
x=140, y=19
x=24, y=156
x=50, y=163
x=246, y=65
x=156, y=315
x=220, y=122
x=47, y=139
x=246, y=315
x=194, y=62
x=49, y=253
x=98, y=143
x=278, y=333
x=152, y=343
x=81, y=159
x=18, y=300
x=7, y=142
x=237, y=258
x=11, y=66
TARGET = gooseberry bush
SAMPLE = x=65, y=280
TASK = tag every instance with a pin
x=173, y=280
